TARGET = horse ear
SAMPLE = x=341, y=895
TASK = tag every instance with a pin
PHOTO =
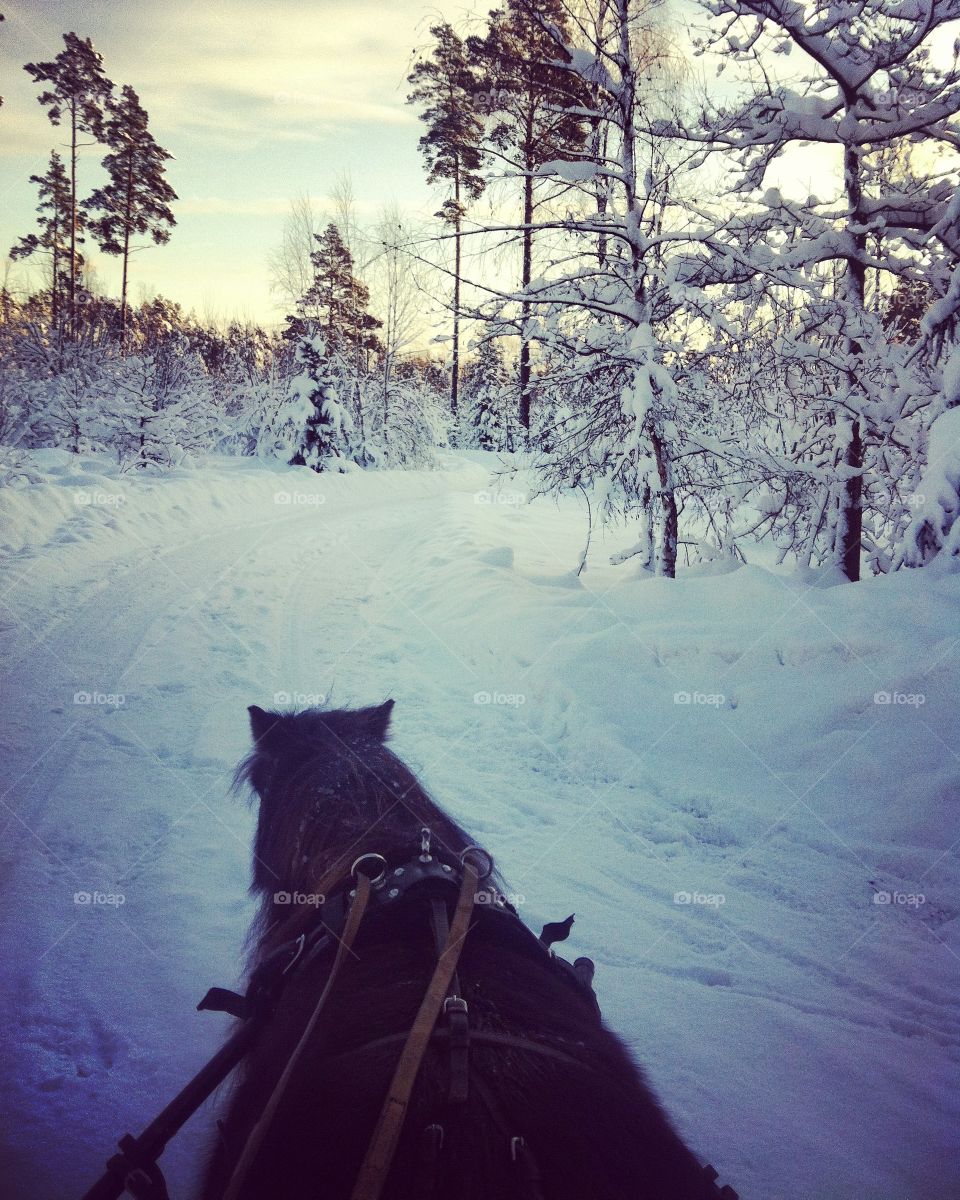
x=376, y=720
x=261, y=722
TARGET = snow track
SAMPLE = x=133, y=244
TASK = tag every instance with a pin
x=804, y=1037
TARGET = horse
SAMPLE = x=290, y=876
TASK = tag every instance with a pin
x=553, y=1107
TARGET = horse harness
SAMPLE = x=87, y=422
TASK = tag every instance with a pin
x=376, y=887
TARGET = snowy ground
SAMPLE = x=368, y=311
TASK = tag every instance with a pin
x=705, y=771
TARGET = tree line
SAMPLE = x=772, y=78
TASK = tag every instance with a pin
x=630, y=301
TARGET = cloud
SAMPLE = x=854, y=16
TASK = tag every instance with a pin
x=290, y=69
x=269, y=206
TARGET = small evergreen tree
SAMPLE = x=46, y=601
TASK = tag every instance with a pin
x=54, y=219
x=325, y=426
x=490, y=421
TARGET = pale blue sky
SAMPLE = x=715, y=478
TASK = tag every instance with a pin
x=258, y=102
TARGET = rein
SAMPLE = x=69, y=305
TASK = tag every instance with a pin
x=383, y=1144
x=135, y=1168
x=354, y=917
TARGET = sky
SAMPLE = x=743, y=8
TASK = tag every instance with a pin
x=257, y=102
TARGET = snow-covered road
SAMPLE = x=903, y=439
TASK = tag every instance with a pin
x=701, y=770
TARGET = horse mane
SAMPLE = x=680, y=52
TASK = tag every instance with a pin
x=329, y=786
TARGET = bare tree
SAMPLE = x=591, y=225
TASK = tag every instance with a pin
x=291, y=271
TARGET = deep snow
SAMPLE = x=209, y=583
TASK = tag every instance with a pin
x=721, y=775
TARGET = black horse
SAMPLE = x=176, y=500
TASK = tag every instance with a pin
x=548, y=1071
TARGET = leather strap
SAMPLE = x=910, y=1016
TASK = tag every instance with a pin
x=386, y=1135
x=479, y=1038
x=250, y=1150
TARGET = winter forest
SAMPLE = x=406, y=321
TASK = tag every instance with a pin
x=714, y=359
x=530, y=425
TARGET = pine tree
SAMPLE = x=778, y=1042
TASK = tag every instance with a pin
x=336, y=300
x=537, y=105
x=78, y=92
x=324, y=424
x=54, y=211
x=445, y=86
x=486, y=401
x=136, y=200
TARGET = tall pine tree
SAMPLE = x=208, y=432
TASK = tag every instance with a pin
x=536, y=104
x=54, y=219
x=445, y=86
x=137, y=198
x=77, y=94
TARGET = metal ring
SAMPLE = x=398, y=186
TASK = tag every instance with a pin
x=383, y=868
x=485, y=858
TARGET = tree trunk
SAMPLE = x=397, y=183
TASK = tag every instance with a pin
x=846, y=550
x=55, y=286
x=455, y=365
x=525, y=307
x=73, y=220
x=850, y=528
x=126, y=250
x=668, y=548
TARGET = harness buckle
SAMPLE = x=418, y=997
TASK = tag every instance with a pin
x=454, y=1004
x=375, y=881
x=480, y=860
x=457, y=1015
